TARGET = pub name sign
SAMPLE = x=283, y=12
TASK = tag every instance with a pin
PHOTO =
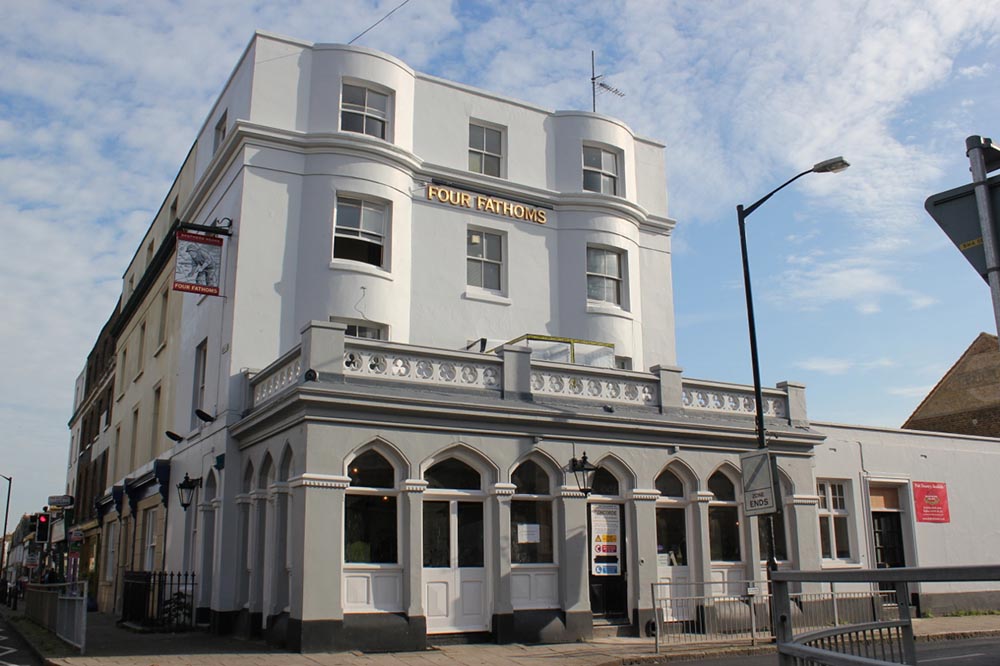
x=486, y=204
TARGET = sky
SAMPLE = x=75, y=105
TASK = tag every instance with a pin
x=858, y=294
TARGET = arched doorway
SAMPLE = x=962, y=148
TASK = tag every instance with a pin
x=456, y=591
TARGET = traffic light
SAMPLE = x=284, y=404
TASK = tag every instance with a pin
x=42, y=529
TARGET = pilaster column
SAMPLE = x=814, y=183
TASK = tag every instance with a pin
x=258, y=546
x=803, y=517
x=701, y=558
x=244, y=512
x=643, y=504
x=501, y=582
x=413, y=547
x=575, y=554
x=318, y=514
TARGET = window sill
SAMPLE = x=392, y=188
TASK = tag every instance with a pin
x=138, y=375
x=359, y=267
x=544, y=566
x=485, y=296
x=597, y=307
x=364, y=566
x=839, y=564
x=163, y=345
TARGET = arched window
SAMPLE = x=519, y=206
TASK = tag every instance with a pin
x=371, y=533
x=605, y=483
x=531, y=515
x=723, y=520
x=453, y=474
x=671, y=521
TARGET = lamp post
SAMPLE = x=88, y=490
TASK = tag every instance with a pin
x=3, y=539
x=835, y=165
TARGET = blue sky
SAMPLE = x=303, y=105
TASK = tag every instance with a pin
x=858, y=293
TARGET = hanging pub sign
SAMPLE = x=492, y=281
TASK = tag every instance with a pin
x=605, y=546
x=199, y=263
x=930, y=499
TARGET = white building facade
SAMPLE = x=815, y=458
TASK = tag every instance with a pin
x=432, y=299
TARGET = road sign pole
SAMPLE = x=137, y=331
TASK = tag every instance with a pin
x=975, y=151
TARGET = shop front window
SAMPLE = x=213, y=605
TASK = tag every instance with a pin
x=371, y=533
x=723, y=520
x=531, y=516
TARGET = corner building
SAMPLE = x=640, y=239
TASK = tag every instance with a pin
x=432, y=299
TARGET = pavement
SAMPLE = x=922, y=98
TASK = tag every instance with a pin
x=108, y=644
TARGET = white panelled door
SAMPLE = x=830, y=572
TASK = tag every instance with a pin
x=455, y=587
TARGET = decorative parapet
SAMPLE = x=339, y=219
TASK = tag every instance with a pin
x=420, y=365
x=731, y=399
x=597, y=384
x=277, y=377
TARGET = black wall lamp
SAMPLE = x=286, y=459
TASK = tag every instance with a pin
x=185, y=490
x=204, y=416
x=584, y=471
x=173, y=436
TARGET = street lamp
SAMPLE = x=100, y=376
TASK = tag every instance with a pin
x=835, y=165
x=584, y=471
x=185, y=490
x=3, y=537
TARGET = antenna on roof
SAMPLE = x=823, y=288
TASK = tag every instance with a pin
x=597, y=85
x=399, y=6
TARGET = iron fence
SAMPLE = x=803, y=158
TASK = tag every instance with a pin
x=159, y=599
x=61, y=608
x=885, y=637
x=733, y=612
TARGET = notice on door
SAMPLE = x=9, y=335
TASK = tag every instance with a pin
x=930, y=500
x=605, y=547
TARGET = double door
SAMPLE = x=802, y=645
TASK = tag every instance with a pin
x=456, y=595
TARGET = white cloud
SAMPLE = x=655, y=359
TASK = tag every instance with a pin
x=976, y=71
x=841, y=366
x=911, y=391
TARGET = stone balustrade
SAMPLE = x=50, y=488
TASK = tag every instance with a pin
x=510, y=375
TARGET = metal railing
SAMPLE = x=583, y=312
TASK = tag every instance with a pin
x=736, y=612
x=159, y=599
x=61, y=608
x=884, y=638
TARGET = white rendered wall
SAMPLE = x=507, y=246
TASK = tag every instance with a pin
x=968, y=465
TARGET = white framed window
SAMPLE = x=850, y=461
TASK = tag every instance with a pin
x=360, y=230
x=484, y=259
x=364, y=111
x=140, y=358
x=671, y=521
x=485, y=149
x=371, y=521
x=110, y=549
x=600, y=170
x=200, y=374
x=605, y=274
x=367, y=331
x=161, y=331
x=220, y=131
x=149, y=539
x=834, y=520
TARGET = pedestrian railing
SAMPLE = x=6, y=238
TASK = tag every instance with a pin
x=61, y=608
x=861, y=637
x=159, y=599
x=735, y=612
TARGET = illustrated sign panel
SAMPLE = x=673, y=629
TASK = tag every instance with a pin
x=199, y=263
x=759, y=497
x=930, y=500
x=605, y=547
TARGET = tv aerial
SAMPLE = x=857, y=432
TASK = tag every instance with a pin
x=598, y=84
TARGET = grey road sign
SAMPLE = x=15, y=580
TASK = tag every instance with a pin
x=759, y=497
x=956, y=213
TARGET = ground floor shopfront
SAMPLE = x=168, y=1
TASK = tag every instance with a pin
x=381, y=512
x=380, y=536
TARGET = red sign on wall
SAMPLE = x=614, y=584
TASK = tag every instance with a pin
x=930, y=500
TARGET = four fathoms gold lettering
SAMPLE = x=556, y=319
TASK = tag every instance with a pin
x=486, y=204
